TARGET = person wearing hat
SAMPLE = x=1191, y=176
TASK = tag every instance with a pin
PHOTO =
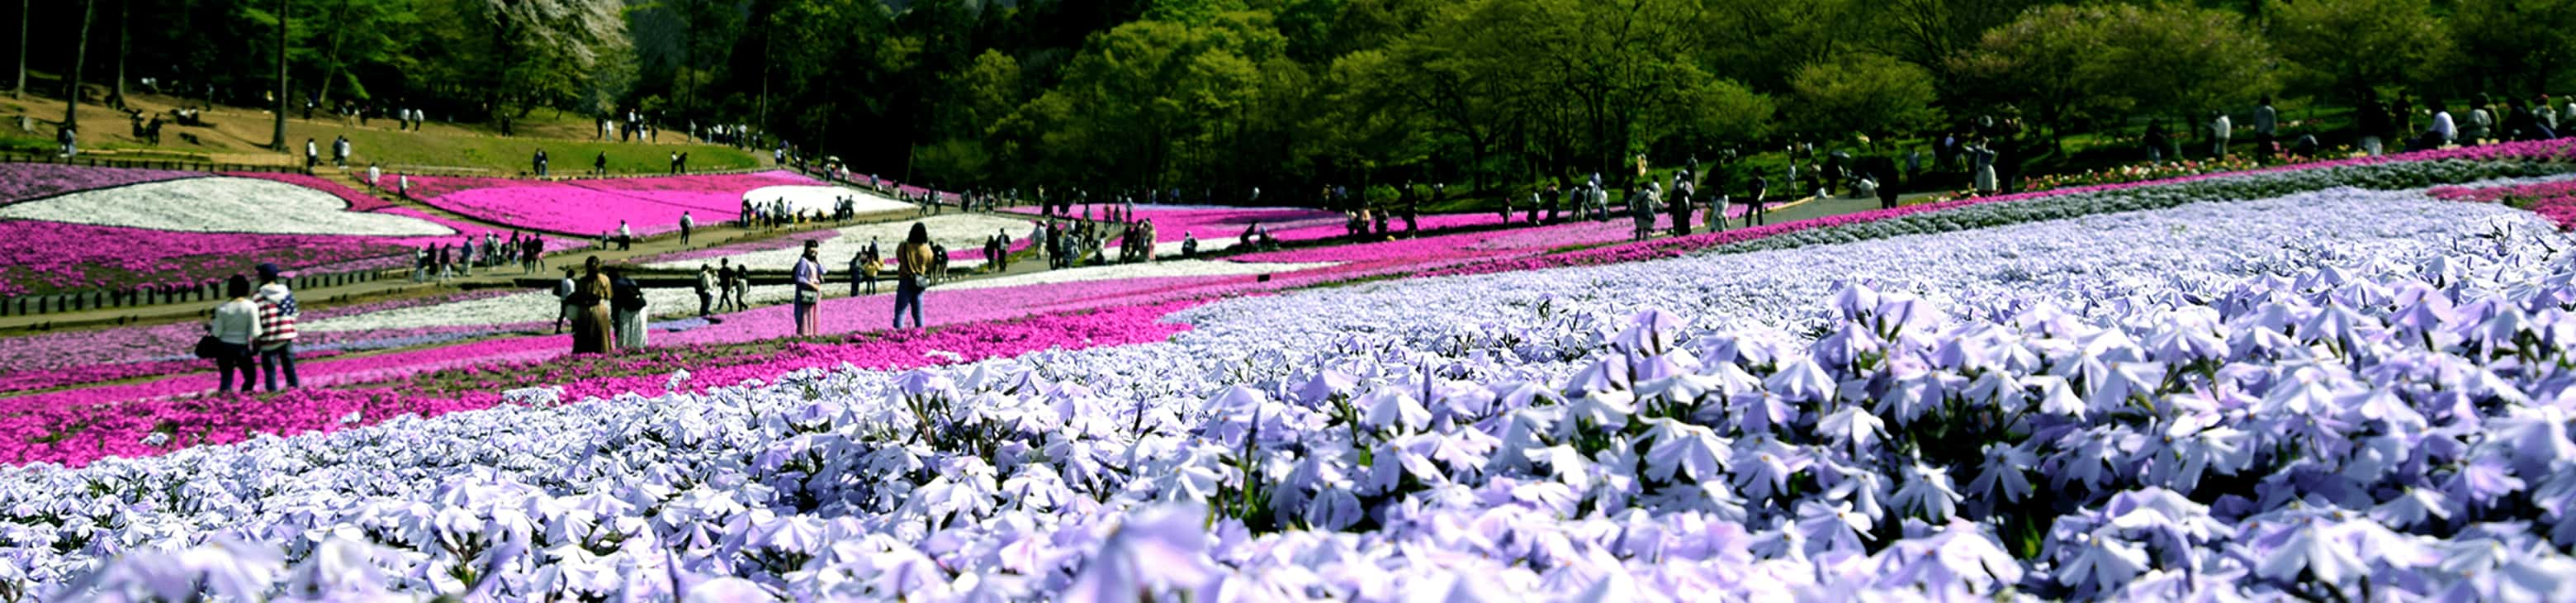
x=276, y=341
x=235, y=327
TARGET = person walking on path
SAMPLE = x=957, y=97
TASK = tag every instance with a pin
x=625, y=236
x=235, y=327
x=1003, y=254
x=808, y=276
x=600, y=165
x=912, y=264
x=687, y=223
x=1717, y=200
x=706, y=289
x=741, y=286
x=627, y=299
x=1679, y=205
x=590, y=319
x=465, y=257
x=276, y=341
x=1753, y=202
x=563, y=298
x=312, y=155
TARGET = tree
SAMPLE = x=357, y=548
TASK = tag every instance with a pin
x=1863, y=93
x=1930, y=32
x=2516, y=45
x=2345, y=47
x=20, y=91
x=124, y=46
x=80, y=55
x=2173, y=59
x=277, y=140
x=2069, y=65
x=1153, y=94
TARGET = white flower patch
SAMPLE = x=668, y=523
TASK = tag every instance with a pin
x=533, y=306
x=221, y=204
x=960, y=232
x=824, y=198
x=1127, y=271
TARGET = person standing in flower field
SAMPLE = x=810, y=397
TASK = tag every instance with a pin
x=687, y=223
x=860, y=273
x=625, y=236
x=706, y=289
x=590, y=319
x=627, y=300
x=563, y=296
x=912, y=266
x=235, y=327
x=2219, y=130
x=276, y=341
x=374, y=175
x=2267, y=124
x=808, y=275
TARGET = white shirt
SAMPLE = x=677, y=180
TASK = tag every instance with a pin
x=687, y=222
x=2221, y=127
x=623, y=231
x=2442, y=123
x=2266, y=121
x=372, y=174
x=236, y=322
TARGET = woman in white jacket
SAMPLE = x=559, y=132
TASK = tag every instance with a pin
x=235, y=325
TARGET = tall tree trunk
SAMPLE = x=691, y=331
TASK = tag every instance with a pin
x=278, y=134
x=80, y=54
x=331, y=69
x=21, y=90
x=124, y=46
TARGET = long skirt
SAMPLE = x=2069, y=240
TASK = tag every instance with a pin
x=591, y=332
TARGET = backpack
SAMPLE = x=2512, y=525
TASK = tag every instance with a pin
x=629, y=297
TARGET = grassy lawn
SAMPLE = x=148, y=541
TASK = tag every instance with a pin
x=508, y=156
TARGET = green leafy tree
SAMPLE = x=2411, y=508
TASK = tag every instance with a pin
x=2343, y=47
x=1863, y=93
x=2518, y=46
x=1151, y=93
x=2171, y=59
